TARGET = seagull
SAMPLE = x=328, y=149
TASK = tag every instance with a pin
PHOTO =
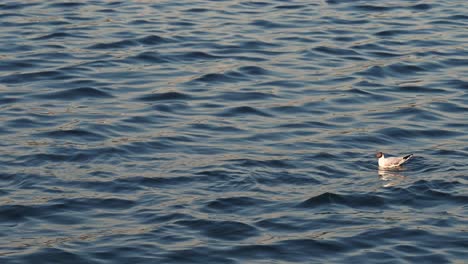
x=391, y=162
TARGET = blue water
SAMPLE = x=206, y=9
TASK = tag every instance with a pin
x=233, y=131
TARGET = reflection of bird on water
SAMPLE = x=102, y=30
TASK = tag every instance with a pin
x=392, y=177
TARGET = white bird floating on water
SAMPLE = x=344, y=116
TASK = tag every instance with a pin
x=391, y=162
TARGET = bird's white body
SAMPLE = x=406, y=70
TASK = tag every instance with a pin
x=392, y=162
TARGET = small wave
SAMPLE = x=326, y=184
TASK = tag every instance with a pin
x=9, y=100
x=282, y=83
x=151, y=218
x=458, y=17
x=17, y=213
x=197, y=10
x=153, y=40
x=182, y=24
x=263, y=163
x=35, y=76
x=235, y=204
x=66, y=5
x=281, y=224
x=456, y=83
x=306, y=125
x=245, y=96
x=285, y=178
x=335, y=51
x=267, y=24
x=422, y=194
x=290, y=250
x=242, y=111
x=75, y=94
x=350, y=100
x=217, y=128
x=422, y=7
x=148, y=57
x=159, y=182
x=291, y=109
x=59, y=35
x=140, y=120
x=24, y=122
x=224, y=230
x=202, y=177
x=379, y=8
x=454, y=62
x=253, y=70
x=393, y=70
x=194, y=56
x=400, y=133
x=397, y=32
x=257, y=44
x=165, y=96
x=329, y=171
x=80, y=204
x=408, y=113
x=15, y=6
x=9, y=65
x=42, y=158
x=144, y=147
x=98, y=155
x=405, y=68
x=114, y=45
x=419, y=89
x=385, y=54
x=374, y=8
x=138, y=22
x=450, y=107
x=73, y=134
x=228, y=77
x=353, y=201
x=55, y=210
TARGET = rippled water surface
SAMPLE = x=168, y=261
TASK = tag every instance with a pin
x=233, y=131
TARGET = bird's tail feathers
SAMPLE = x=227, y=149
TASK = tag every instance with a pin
x=407, y=156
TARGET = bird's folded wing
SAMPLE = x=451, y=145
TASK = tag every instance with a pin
x=393, y=161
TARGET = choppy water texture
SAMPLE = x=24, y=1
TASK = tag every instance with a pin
x=233, y=131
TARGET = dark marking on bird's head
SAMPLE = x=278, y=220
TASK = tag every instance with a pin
x=379, y=155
